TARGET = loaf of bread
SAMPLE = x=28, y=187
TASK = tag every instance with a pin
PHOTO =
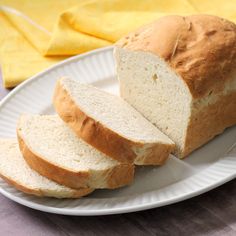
x=54, y=151
x=14, y=169
x=110, y=124
x=180, y=73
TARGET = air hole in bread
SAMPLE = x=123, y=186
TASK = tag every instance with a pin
x=76, y=160
x=154, y=77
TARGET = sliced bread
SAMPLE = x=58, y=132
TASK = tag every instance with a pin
x=52, y=149
x=110, y=124
x=15, y=171
x=180, y=73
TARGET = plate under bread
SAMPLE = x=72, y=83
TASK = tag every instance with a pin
x=208, y=167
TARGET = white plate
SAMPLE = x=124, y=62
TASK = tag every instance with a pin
x=207, y=168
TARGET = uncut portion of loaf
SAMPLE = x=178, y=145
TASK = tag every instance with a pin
x=53, y=150
x=180, y=73
x=110, y=124
x=14, y=169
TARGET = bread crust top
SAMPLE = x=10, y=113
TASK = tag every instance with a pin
x=200, y=48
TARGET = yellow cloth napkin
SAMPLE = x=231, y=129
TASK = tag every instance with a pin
x=36, y=34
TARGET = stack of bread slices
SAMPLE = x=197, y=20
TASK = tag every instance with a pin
x=94, y=142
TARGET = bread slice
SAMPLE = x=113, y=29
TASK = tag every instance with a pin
x=17, y=173
x=52, y=149
x=110, y=124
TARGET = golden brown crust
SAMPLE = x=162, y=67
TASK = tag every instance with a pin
x=97, y=135
x=75, y=193
x=122, y=173
x=209, y=122
x=200, y=48
x=116, y=178
x=157, y=155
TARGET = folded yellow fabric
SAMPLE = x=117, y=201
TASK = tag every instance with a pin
x=36, y=34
